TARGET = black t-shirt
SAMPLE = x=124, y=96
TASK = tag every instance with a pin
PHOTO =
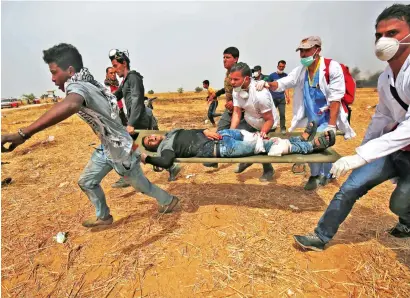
x=192, y=143
x=185, y=143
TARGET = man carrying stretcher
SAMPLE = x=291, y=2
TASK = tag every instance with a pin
x=184, y=143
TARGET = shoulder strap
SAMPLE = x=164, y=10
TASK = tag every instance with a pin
x=397, y=98
x=327, y=69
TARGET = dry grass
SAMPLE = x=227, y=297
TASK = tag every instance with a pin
x=233, y=237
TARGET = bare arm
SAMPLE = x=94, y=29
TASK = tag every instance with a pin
x=236, y=117
x=334, y=112
x=59, y=112
x=268, y=117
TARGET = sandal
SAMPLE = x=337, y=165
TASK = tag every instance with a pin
x=311, y=131
x=323, y=142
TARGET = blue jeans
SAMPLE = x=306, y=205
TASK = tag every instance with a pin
x=100, y=165
x=360, y=182
x=317, y=169
x=232, y=144
x=211, y=111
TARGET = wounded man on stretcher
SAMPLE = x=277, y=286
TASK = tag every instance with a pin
x=183, y=143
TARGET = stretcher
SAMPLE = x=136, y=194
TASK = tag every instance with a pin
x=329, y=155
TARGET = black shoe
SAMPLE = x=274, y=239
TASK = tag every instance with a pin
x=323, y=180
x=312, y=183
x=267, y=176
x=173, y=172
x=242, y=167
x=210, y=165
x=400, y=231
x=120, y=183
x=310, y=241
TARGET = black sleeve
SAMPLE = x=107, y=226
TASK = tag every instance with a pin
x=118, y=94
x=164, y=161
x=137, y=99
x=220, y=92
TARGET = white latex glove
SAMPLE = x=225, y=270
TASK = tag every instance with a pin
x=347, y=163
x=261, y=84
x=331, y=127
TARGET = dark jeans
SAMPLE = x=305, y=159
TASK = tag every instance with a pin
x=211, y=111
x=360, y=182
x=225, y=121
x=267, y=167
x=280, y=103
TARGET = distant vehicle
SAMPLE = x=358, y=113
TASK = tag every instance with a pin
x=36, y=100
x=9, y=103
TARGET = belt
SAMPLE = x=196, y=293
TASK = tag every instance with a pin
x=217, y=149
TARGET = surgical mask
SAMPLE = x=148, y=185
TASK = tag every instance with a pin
x=386, y=47
x=307, y=61
x=256, y=74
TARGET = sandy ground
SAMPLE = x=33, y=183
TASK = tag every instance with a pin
x=232, y=238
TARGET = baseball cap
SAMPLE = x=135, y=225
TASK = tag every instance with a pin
x=309, y=42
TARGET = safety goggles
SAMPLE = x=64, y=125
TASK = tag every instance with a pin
x=117, y=54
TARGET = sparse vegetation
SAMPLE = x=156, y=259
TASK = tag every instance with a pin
x=198, y=89
x=29, y=98
x=151, y=92
x=180, y=90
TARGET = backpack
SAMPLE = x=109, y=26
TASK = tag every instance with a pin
x=350, y=84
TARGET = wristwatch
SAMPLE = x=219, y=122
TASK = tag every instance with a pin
x=23, y=135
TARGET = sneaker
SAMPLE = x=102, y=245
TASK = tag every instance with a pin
x=120, y=183
x=323, y=180
x=312, y=183
x=170, y=207
x=242, y=167
x=267, y=176
x=210, y=165
x=400, y=231
x=310, y=241
x=89, y=223
x=174, y=171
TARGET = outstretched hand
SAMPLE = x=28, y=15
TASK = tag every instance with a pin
x=13, y=139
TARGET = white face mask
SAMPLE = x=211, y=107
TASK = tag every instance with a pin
x=256, y=74
x=387, y=47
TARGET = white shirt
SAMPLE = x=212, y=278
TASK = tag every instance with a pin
x=379, y=140
x=258, y=103
x=334, y=91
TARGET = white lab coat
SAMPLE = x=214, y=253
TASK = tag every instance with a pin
x=379, y=140
x=334, y=91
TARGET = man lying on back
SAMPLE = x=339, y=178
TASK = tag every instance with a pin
x=184, y=143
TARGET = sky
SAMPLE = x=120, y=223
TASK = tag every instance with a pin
x=180, y=44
